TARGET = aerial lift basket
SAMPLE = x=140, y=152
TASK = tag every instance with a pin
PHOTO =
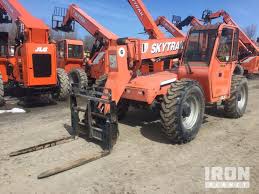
x=57, y=20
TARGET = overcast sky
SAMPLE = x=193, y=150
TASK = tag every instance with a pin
x=118, y=16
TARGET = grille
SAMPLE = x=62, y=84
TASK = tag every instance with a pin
x=41, y=65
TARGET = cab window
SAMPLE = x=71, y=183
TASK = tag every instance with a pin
x=200, y=47
x=75, y=51
x=235, y=46
x=225, y=45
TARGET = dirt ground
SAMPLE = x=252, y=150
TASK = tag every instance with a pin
x=142, y=161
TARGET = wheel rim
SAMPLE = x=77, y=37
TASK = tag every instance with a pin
x=242, y=96
x=190, y=119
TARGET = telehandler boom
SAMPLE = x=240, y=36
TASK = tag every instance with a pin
x=190, y=20
x=169, y=26
x=63, y=20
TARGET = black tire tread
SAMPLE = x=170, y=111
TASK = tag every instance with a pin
x=82, y=77
x=64, y=85
x=230, y=104
x=169, y=112
x=1, y=91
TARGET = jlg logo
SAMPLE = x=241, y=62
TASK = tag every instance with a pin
x=41, y=49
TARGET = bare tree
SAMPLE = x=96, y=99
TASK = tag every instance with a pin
x=251, y=31
x=59, y=35
x=12, y=31
x=88, y=42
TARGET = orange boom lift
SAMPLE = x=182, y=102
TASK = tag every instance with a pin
x=248, y=50
x=32, y=70
x=96, y=68
x=205, y=76
x=70, y=56
x=70, y=53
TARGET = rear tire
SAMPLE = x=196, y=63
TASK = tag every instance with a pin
x=78, y=77
x=182, y=111
x=235, y=106
x=62, y=92
x=2, y=101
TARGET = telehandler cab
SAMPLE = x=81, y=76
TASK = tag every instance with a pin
x=248, y=58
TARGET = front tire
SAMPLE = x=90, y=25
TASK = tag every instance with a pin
x=122, y=109
x=235, y=106
x=63, y=85
x=2, y=101
x=182, y=111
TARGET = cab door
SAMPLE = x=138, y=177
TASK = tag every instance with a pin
x=224, y=62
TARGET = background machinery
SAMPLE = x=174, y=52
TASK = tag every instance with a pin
x=169, y=26
x=188, y=21
x=32, y=70
x=70, y=53
x=70, y=56
x=248, y=50
x=64, y=20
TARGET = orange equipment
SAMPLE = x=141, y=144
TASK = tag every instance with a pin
x=190, y=20
x=70, y=56
x=146, y=19
x=151, y=27
x=70, y=53
x=205, y=75
x=33, y=68
x=169, y=26
x=248, y=50
x=95, y=67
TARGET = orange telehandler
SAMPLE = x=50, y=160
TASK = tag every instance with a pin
x=63, y=20
x=70, y=56
x=205, y=76
x=248, y=50
x=70, y=53
x=32, y=69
